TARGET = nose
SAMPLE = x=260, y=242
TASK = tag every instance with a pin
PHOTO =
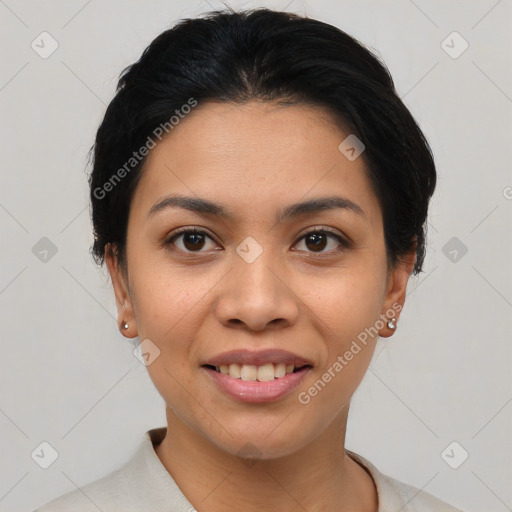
x=255, y=296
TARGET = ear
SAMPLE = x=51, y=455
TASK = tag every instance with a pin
x=125, y=311
x=394, y=299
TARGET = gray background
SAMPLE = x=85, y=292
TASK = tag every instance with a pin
x=69, y=378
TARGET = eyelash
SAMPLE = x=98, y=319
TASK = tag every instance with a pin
x=344, y=244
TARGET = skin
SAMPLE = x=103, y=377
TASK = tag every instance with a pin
x=255, y=159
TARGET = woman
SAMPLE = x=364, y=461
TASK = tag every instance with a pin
x=259, y=196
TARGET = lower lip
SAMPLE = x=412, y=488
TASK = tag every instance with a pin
x=253, y=391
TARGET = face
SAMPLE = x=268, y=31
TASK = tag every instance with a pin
x=254, y=287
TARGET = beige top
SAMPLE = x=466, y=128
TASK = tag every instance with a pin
x=144, y=485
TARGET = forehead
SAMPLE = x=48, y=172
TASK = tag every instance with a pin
x=250, y=155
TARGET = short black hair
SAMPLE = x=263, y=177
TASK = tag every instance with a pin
x=270, y=56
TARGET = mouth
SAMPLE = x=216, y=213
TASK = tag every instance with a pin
x=257, y=377
x=260, y=373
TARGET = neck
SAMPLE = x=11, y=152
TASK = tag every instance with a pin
x=318, y=477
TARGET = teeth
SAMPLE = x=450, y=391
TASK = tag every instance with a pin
x=280, y=370
x=265, y=372
x=248, y=372
x=262, y=373
x=234, y=371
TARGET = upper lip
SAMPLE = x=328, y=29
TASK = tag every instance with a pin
x=258, y=358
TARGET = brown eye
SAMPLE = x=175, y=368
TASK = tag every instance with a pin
x=192, y=240
x=316, y=241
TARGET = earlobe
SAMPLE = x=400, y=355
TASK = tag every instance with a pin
x=395, y=293
x=125, y=312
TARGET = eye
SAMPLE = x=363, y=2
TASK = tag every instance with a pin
x=317, y=239
x=193, y=240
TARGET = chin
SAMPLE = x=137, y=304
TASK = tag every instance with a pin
x=259, y=444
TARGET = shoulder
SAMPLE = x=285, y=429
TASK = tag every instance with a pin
x=106, y=494
x=142, y=483
x=411, y=498
x=395, y=495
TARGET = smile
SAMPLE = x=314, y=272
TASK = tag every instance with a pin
x=256, y=376
x=251, y=372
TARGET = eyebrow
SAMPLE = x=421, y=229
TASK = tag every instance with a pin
x=206, y=207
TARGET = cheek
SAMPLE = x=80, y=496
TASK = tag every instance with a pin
x=345, y=307
x=167, y=311
x=344, y=311
x=345, y=303
x=170, y=306
x=163, y=300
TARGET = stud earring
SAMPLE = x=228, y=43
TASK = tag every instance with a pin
x=392, y=323
x=124, y=325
